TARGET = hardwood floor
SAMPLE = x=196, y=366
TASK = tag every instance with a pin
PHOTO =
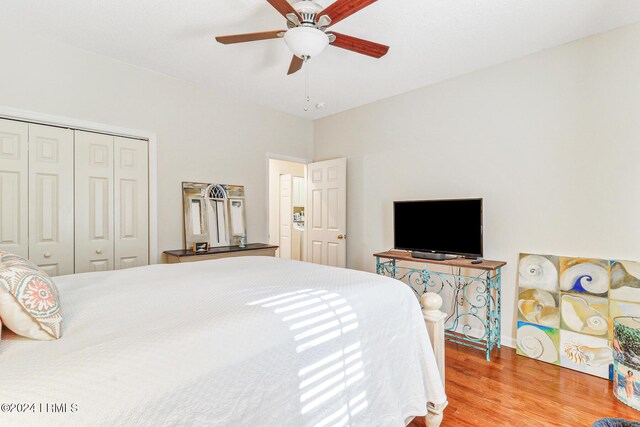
x=512, y=390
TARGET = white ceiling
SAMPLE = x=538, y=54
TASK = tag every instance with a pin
x=431, y=40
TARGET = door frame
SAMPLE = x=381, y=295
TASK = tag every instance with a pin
x=89, y=126
x=277, y=156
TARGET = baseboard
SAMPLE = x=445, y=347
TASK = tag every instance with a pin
x=508, y=341
x=504, y=340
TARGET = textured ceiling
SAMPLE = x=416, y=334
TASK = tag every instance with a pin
x=431, y=40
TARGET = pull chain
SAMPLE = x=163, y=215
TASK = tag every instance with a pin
x=306, y=82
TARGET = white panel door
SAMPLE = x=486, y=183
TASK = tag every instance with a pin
x=131, y=203
x=51, y=199
x=326, y=212
x=94, y=202
x=285, y=215
x=14, y=175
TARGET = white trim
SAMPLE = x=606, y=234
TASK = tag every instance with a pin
x=508, y=341
x=153, y=199
x=276, y=156
x=151, y=137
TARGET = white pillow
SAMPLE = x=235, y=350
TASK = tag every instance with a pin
x=29, y=300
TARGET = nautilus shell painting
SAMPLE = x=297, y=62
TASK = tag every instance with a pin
x=538, y=271
x=539, y=307
x=625, y=281
x=537, y=342
x=585, y=314
x=566, y=305
x=585, y=353
x=582, y=275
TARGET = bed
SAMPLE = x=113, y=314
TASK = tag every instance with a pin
x=255, y=341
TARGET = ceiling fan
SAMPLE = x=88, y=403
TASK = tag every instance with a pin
x=307, y=34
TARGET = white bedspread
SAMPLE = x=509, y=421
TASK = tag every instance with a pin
x=253, y=341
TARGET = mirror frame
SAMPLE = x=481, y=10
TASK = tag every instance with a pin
x=200, y=191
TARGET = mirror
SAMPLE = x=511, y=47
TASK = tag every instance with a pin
x=196, y=217
x=213, y=213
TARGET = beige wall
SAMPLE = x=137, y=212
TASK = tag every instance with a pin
x=201, y=136
x=550, y=141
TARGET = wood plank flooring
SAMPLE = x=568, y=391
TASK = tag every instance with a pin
x=512, y=390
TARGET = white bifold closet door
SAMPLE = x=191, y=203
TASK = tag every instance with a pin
x=112, y=205
x=14, y=179
x=51, y=199
x=131, y=199
x=73, y=201
x=94, y=202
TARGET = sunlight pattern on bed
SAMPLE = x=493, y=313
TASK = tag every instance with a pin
x=316, y=317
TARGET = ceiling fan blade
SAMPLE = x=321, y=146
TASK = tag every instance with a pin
x=250, y=37
x=355, y=44
x=296, y=64
x=344, y=8
x=283, y=7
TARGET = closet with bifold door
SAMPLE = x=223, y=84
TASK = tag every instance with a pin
x=50, y=171
x=111, y=207
x=73, y=201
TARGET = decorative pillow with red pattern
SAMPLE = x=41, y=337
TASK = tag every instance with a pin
x=29, y=300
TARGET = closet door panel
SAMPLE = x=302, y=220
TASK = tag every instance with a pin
x=14, y=162
x=131, y=203
x=51, y=211
x=94, y=243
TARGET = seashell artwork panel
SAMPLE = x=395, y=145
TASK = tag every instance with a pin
x=537, y=342
x=625, y=281
x=584, y=276
x=585, y=353
x=539, y=307
x=585, y=314
x=565, y=309
x=538, y=272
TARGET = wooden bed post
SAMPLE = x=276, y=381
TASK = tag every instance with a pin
x=434, y=319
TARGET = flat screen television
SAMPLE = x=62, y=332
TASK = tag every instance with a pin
x=439, y=226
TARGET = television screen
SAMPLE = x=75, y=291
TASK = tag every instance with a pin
x=440, y=226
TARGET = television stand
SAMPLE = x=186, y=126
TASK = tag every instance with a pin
x=432, y=255
x=475, y=289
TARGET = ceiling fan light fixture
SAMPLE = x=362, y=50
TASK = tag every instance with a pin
x=306, y=41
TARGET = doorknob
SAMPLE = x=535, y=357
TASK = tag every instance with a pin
x=98, y=251
x=342, y=236
x=47, y=254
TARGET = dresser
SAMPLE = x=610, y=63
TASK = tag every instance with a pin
x=251, y=249
x=476, y=292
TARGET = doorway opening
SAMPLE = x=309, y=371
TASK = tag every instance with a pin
x=287, y=202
